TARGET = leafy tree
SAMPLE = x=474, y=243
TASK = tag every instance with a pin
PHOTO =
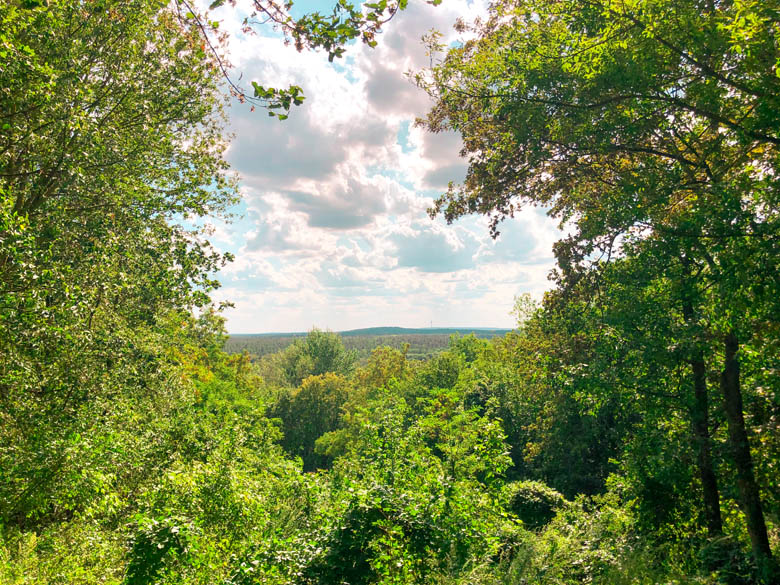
x=651, y=127
x=414, y=498
x=384, y=364
x=102, y=151
x=319, y=353
x=441, y=371
x=564, y=427
x=309, y=412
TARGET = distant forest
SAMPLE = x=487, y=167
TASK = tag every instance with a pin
x=423, y=343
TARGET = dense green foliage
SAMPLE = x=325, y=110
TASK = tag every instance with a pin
x=416, y=482
x=625, y=432
x=101, y=150
x=650, y=130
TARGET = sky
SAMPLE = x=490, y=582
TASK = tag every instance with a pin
x=332, y=229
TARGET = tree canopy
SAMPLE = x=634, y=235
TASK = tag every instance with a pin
x=650, y=130
x=624, y=432
x=103, y=152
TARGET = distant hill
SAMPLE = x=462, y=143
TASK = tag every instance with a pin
x=478, y=331
x=423, y=342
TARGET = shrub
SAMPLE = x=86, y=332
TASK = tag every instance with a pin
x=534, y=503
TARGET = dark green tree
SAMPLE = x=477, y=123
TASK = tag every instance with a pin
x=650, y=129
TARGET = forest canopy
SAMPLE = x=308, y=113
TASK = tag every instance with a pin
x=625, y=432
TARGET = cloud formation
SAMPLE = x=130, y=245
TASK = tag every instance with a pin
x=335, y=231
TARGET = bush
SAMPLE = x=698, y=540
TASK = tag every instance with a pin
x=733, y=564
x=534, y=503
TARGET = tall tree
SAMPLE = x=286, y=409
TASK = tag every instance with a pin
x=651, y=128
x=111, y=135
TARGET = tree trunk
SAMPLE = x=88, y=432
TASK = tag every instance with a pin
x=701, y=437
x=750, y=501
x=701, y=431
